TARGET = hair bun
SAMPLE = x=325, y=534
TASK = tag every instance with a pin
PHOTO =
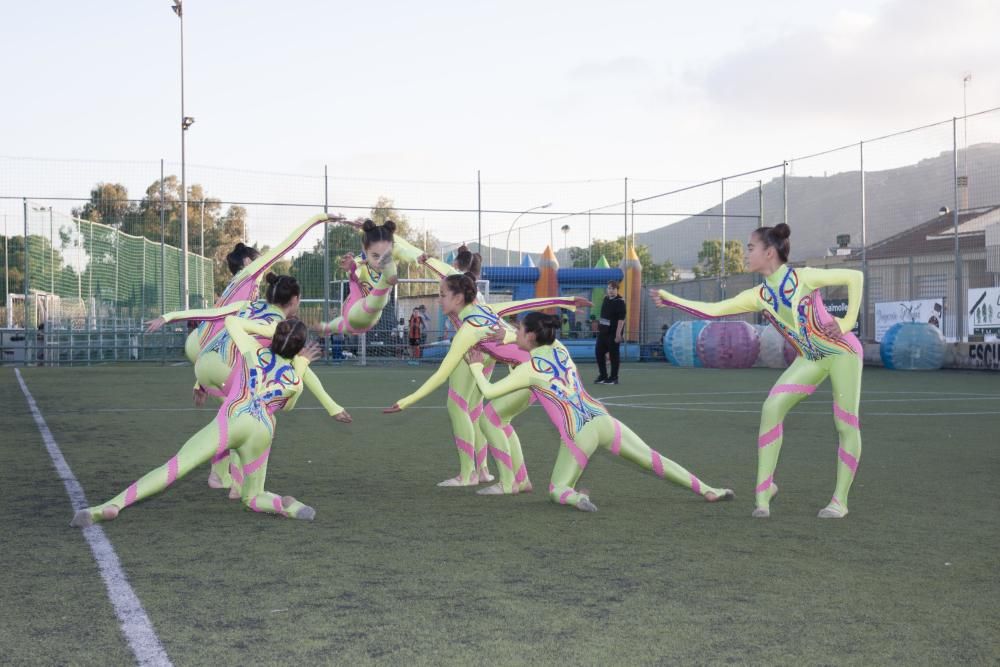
x=270, y=278
x=368, y=225
x=240, y=246
x=390, y=225
x=462, y=248
x=782, y=231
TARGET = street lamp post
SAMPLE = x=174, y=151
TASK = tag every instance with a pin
x=186, y=122
x=507, y=245
x=565, y=231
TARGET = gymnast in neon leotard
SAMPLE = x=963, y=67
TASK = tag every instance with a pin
x=790, y=300
x=248, y=266
x=269, y=379
x=583, y=422
x=482, y=326
x=215, y=364
x=371, y=280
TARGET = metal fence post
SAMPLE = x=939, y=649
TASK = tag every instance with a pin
x=863, y=328
x=959, y=308
x=784, y=191
x=27, y=290
x=163, y=264
x=722, y=250
x=326, y=254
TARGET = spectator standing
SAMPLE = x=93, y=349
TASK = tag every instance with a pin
x=609, y=336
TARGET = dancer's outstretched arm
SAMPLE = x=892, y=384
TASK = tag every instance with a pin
x=217, y=313
x=744, y=302
x=462, y=342
x=314, y=385
x=242, y=282
x=511, y=308
x=266, y=259
x=815, y=278
x=519, y=378
x=403, y=249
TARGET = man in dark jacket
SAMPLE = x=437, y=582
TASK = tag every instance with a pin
x=609, y=335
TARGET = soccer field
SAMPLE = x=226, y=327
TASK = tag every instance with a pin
x=395, y=570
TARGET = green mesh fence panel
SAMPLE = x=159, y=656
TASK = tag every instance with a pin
x=129, y=276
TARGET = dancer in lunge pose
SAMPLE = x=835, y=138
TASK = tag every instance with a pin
x=214, y=366
x=269, y=379
x=790, y=300
x=482, y=326
x=583, y=422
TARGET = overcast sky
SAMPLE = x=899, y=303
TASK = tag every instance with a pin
x=528, y=92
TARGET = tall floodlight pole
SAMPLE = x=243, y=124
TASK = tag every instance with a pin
x=6, y=267
x=186, y=122
x=965, y=120
x=535, y=208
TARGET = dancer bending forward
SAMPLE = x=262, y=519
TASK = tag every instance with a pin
x=583, y=422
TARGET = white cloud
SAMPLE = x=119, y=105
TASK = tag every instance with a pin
x=909, y=57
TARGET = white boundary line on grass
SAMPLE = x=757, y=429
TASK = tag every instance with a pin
x=134, y=622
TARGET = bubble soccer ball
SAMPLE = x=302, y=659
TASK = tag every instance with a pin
x=680, y=343
x=775, y=350
x=912, y=346
x=728, y=345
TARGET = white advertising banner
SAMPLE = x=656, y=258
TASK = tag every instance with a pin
x=984, y=312
x=922, y=310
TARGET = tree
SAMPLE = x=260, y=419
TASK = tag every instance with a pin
x=614, y=252
x=708, y=258
x=109, y=205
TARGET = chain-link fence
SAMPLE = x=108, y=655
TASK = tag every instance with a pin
x=918, y=211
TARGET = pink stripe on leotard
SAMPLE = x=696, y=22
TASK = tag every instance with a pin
x=845, y=416
x=171, y=471
x=502, y=457
x=616, y=444
x=492, y=416
x=476, y=411
x=251, y=468
x=695, y=484
x=522, y=474
x=581, y=458
x=765, y=485
x=459, y=401
x=657, y=463
x=848, y=460
x=466, y=447
x=131, y=493
x=564, y=495
x=769, y=437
